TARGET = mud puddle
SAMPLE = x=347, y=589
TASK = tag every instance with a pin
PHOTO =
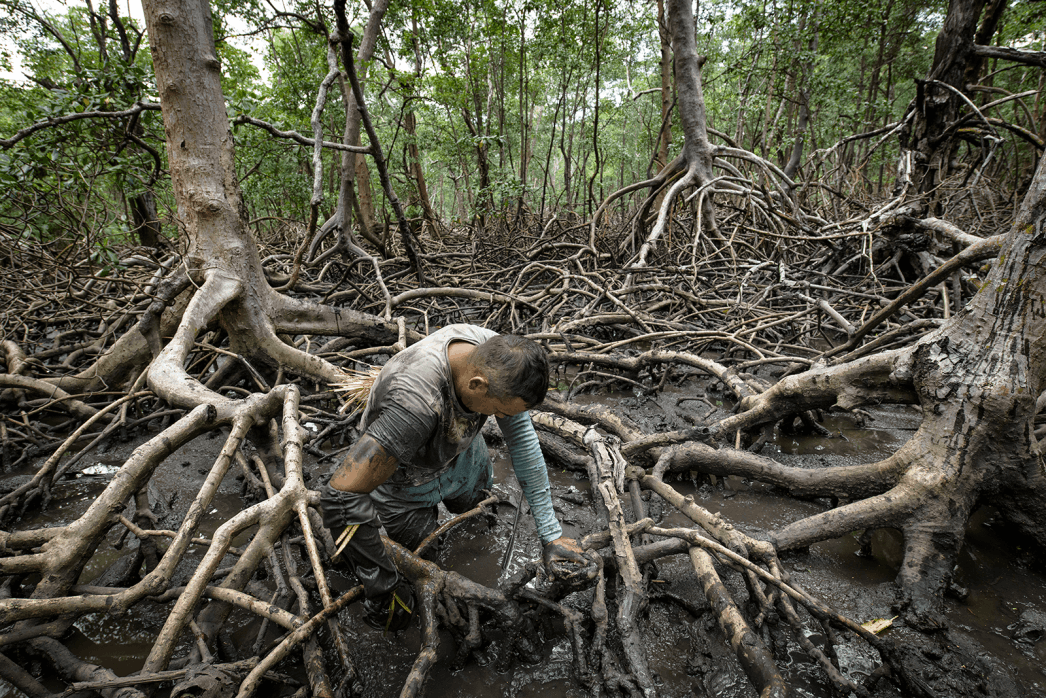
x=1002, y=620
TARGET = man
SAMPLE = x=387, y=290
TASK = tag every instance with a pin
x=421, y=445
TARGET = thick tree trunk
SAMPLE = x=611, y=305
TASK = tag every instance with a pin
x=989, y=23
x=222, y=258
x=201, y=151
x=977, y=380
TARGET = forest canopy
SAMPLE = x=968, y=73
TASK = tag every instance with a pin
x=502, y=104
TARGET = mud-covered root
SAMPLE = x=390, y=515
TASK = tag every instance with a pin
x=271, y=516
x=607, y=480
x=754, y=657
x=72, y=668
x=931, y=548
x=839, y=681
x=17, y=676
x=439, y=593
x=758, y=560
x=756, y=660
x=882, y=378
x=252, y=682
x=39, y=486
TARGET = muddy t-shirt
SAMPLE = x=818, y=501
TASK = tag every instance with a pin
x=414, y=412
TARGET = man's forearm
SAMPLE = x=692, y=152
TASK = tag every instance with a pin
x=532, y=473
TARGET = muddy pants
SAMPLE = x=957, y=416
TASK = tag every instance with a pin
x=409, y=514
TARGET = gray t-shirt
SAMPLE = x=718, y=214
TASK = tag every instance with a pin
x=414, y=411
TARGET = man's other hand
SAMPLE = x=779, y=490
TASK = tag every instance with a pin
x=391, y=611
x=567, y=562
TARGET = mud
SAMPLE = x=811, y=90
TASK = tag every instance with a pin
x=995, y=643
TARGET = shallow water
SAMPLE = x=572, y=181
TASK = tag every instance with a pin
x=1003, y=579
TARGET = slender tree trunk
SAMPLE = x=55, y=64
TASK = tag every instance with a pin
x=365, y=198
x=474, y=123
x=410, y=125
x=697, y=151
x=415, y=170
x=806, y=76
x=937, y=106
x=525, y=117
x=664, y=139
x=551, y=144
x=566, y=149
x=763, y=143
x=354, y=169
x=596, y=172
x=145, y=220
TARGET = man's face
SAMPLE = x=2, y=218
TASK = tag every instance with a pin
x=509, y=407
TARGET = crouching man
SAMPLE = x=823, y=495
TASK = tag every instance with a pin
x=421, y=445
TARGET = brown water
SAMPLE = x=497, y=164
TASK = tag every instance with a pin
x=1002, y=576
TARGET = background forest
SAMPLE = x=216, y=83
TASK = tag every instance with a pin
x=487, y=111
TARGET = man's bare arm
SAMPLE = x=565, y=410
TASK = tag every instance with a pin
x=366, y=466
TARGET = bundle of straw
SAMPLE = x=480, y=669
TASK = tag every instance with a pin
x=355, y=386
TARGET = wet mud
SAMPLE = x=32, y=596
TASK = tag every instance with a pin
x=994, y=643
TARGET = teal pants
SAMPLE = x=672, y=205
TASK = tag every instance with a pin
x=409, y=512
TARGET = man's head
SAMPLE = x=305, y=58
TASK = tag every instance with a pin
x=515, y=369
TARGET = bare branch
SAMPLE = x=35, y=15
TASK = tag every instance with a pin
x=1017, y=55
x=297, y=137
x=138, y=108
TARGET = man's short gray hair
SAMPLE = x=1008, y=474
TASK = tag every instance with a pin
x=514, y=367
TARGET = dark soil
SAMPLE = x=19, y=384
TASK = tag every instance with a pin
x=991, y=642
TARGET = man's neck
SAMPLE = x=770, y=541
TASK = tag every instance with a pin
x=458, y=354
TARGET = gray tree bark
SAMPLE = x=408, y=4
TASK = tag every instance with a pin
x=698, y=152
x=222, y=258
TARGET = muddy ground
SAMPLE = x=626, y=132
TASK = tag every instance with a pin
x=992, y=642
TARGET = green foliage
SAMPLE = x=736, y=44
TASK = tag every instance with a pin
x=69, y=183
x=498, y=96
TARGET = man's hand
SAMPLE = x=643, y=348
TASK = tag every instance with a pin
x=567, y=562
x=391, y=611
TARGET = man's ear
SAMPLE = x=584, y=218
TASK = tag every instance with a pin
x=479, y=384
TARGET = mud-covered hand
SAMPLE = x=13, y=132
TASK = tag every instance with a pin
x=392, y=611
x=567, y=562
